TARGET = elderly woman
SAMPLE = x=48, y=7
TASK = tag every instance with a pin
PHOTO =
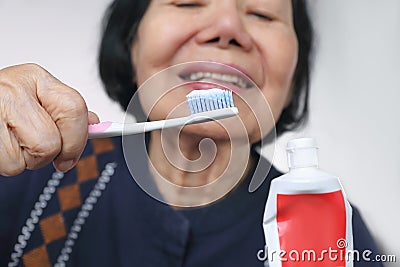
x=87, y=210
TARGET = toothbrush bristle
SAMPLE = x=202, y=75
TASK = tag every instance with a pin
x=207, y=100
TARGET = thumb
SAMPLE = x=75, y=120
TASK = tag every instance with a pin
x=93, y=118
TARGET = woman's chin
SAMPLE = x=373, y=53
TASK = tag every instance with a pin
x=216, y=130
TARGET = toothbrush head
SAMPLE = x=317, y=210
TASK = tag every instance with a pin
x=208, y=100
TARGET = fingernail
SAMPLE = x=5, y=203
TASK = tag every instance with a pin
x=65, y=165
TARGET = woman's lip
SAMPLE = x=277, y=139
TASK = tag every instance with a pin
x=240, y=69
x=211, y=66
x=210, y=85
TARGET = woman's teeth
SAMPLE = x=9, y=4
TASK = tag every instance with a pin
x=201, y=76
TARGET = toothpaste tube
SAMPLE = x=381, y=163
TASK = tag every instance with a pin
x=307, y=218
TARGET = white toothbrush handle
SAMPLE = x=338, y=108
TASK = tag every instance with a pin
x=110, y=129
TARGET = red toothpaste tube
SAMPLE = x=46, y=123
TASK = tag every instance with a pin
x=307, y=218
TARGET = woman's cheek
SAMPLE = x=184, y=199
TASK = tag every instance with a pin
x=288, y=57
x=166, y=36
x=280, y=73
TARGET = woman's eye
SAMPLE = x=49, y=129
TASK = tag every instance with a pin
x=187, y=4
x=261, y=16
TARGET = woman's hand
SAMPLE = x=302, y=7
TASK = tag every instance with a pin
x=41, y=120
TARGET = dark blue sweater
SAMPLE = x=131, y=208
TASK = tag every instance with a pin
x=127, y=227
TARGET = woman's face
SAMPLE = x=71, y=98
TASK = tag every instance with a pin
x=256, y=37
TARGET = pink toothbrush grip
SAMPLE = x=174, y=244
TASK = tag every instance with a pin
x=99, y=127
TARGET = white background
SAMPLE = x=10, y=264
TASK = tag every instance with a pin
x=354, y=98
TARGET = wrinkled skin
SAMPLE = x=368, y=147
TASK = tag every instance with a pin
x=41, y=121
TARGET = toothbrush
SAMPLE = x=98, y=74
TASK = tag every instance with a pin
x=204, y=106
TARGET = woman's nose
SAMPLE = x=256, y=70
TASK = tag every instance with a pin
x=225, y=28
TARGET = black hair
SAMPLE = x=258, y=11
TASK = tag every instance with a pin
x=120, y=25
x=296, y=113
x=116, y=71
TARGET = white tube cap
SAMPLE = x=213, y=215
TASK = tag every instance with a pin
x=302, y=153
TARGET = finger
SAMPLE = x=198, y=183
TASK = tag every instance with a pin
x=38, y=137
x=68, y=110
x=12, y=162
x=71, y=118
x=93, y=118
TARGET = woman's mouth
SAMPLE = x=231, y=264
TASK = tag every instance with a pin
x=206, y=75
x=218, y=78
